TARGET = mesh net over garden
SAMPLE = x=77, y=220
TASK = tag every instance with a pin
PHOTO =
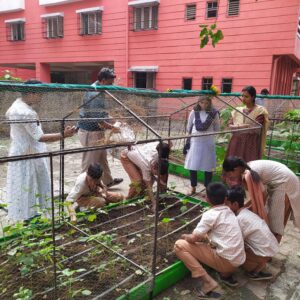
x=118, y=247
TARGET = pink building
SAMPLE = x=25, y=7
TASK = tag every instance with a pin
x=154, y=43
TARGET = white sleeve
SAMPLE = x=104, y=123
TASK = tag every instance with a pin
x=34, y=130
x=76, y=191
x=206, y=223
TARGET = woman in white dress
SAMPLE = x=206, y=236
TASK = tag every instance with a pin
x=202, y=153
x=28, y=181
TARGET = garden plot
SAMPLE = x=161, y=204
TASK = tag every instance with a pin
x=102, y=257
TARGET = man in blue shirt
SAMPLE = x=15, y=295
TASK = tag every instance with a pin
x=92, y=131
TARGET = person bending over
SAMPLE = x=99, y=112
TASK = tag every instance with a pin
x=141, y=164
x=260, y=243
x=90, y=192
x=223, y=252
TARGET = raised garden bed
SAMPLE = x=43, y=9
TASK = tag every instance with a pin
x=102, y=259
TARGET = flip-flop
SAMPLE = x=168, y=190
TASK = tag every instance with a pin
x=210, y=295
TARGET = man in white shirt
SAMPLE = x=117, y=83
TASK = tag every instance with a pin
x=90, y=192
x=260, y=242
x=225, y=250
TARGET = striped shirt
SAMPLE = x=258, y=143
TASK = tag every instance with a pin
x=222, y=228
x=256, y=233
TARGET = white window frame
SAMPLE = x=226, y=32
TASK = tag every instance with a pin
x=97, y=28
x=212, y=9
x=190, y=6
x=141, y=23
x=230, y=11
x=52, y=32
x=12, y=29
x=206, y=83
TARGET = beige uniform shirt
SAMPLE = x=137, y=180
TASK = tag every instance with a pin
x=256, y=234
x=222, y=228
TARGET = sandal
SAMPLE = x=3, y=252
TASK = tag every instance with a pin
x=210, y=295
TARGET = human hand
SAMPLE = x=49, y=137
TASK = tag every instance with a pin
x=69, y=131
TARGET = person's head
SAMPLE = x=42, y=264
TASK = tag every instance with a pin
x=233, y=169
x=216, y=193
x=106, y=76
x=94, y=174
x=204, y=104
x=30, y=95
x=248, y=95
x=235, y=198
x=264, y=92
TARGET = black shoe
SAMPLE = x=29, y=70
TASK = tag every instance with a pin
x=230, y=281
x=259, y=276
x=115, y=182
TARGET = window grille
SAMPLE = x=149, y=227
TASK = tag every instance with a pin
x=15, y=31
x=211, y=9
x=90, y=23
x=187, y=83
x=233, y=7
x=53, y=27
x=190, y=12
x=207, y=82
x=145, y=18
x=226, y=85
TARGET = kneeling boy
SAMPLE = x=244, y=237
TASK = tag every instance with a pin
x=224, y=253
x=90, y=192
x=260, y=243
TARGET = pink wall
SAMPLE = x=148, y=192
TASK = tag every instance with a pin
x=263, y=28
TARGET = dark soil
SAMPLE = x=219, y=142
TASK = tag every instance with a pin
x=128, y=230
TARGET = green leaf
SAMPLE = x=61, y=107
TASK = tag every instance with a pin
x=213, y=26
x=183, y=208
x=86, y=292
x=204, y=42
x=203, y=32
x=92, y=218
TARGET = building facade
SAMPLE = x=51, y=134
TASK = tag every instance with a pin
x=154, y=43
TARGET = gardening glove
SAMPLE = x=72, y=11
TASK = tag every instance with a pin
x=72, y=213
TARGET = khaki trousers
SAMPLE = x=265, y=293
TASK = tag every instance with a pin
x=254, y=263
x=93, y=138
x=96, y=201
x=193, y=254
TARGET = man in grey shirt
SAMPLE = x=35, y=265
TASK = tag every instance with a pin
x=92, y=131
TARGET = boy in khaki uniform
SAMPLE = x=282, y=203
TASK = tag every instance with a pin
x=90, y=192
x=225, y=250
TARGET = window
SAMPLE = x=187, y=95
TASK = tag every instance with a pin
x=298, y=28
x=211, y=9
x=187, y=83
x=190, y=12
x=226, y=85
x=207, y=82
x=15, y=31
x=90, y=20
x=144, y=80
x=233, y=7
x=145, y=18
x=53, y=27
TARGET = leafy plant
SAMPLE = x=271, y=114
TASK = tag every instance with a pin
x=208, y=33
x=7, y=76
x=23, y=294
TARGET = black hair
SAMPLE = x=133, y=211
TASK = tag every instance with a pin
x=232, y=162
x=106, y=73
x=216, y=193
x=197, y=107
x=237, y=194
x=251, y=90
x=164, y=150
x=264, y=92
x=164, y=167
x=95, y=171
